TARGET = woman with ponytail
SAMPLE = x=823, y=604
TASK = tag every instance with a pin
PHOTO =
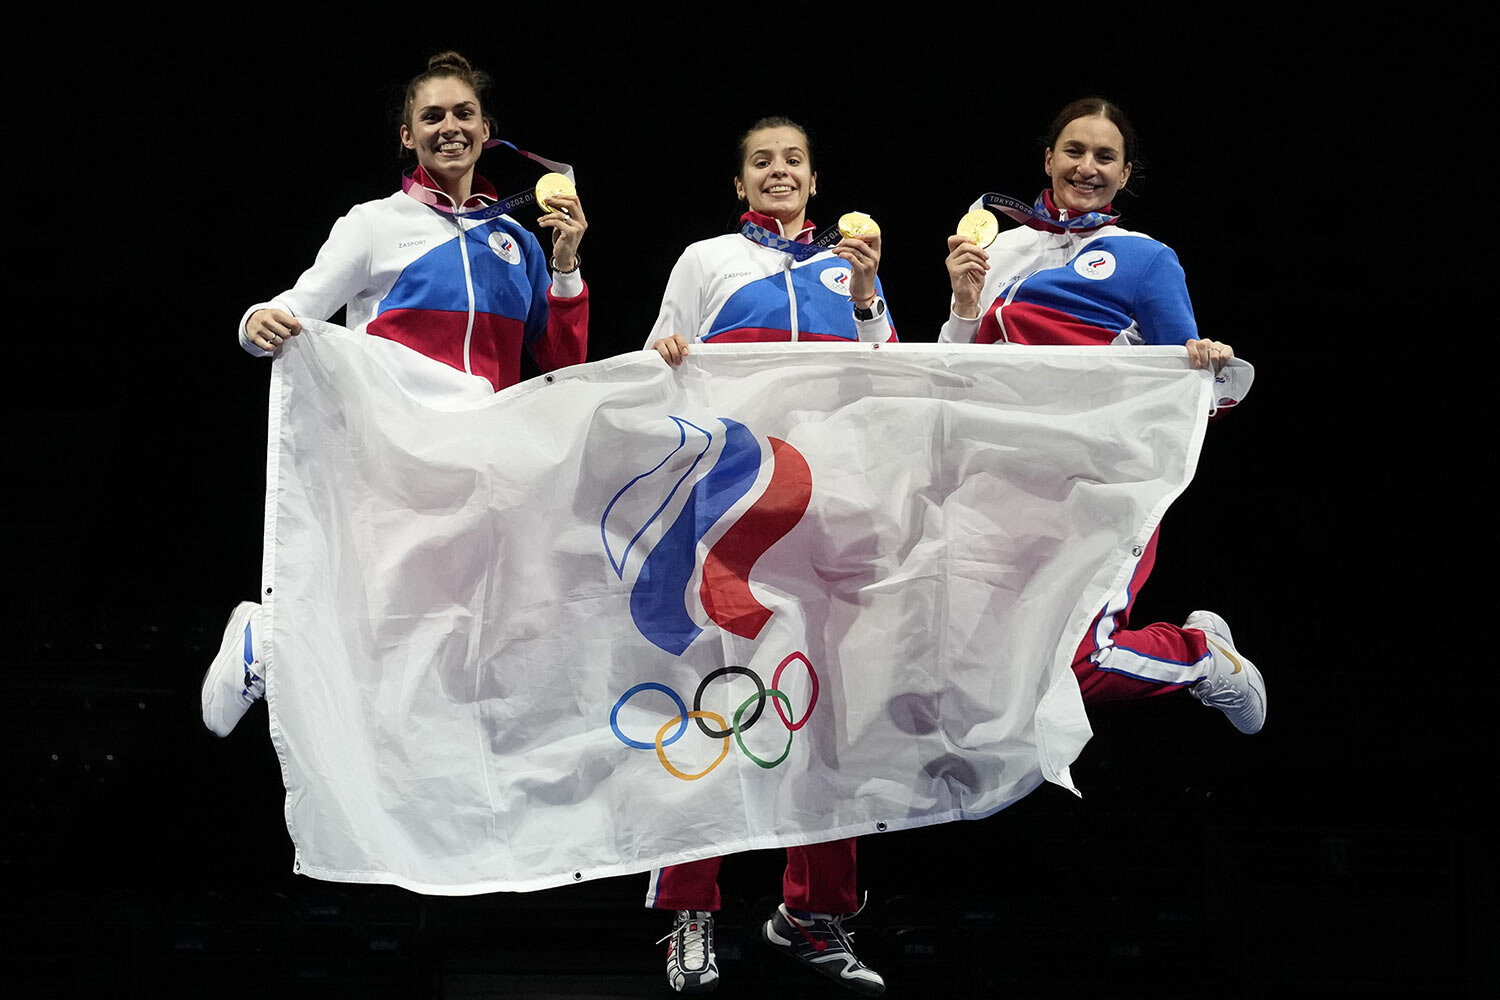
x=772, y=282
x=437, y=267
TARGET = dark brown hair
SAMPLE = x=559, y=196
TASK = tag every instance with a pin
x=444, y=65
x=770, y=121
x=1088, y=107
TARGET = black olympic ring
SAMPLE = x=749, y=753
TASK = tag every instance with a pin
x=760, y=703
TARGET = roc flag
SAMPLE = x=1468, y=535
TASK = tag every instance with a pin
x=623, y=616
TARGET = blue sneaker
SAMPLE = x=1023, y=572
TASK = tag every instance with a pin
x=235, y=679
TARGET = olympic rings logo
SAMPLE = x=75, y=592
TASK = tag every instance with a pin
x=734, y=729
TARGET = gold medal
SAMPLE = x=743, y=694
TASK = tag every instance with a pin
x=552, y=184
x=858, y=224
x=979, y=227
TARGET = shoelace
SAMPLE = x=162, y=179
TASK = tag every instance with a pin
x=255, y=687
x=694, y=945
x=1221, y=689
x=816, y=945
x=837, y=923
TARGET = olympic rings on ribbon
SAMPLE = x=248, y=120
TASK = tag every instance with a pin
x=661, y=754
x=736, y=728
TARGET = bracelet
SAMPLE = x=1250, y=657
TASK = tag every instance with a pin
x=876, y=308
x=577, y=262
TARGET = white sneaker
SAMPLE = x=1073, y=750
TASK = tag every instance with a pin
x=235, y=679
x=692, y=966
x=1233, y=685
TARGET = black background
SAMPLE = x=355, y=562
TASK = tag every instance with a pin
x=1312, y=179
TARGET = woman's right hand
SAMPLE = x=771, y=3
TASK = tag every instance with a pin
x=967, y=266
x=672, y=349
x=567, y=224
x=268, y=329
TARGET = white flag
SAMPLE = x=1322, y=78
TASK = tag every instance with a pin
x=625, y=616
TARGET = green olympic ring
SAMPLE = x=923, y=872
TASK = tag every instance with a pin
x=741, y=740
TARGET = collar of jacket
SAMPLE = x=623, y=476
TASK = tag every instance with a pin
x=773, y=224
x=424, y=190
x=1046, y=204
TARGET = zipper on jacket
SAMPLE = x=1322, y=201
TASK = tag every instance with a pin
x=791, y=293
x=463, y=249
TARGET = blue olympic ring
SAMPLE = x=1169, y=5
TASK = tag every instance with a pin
x=682, y=713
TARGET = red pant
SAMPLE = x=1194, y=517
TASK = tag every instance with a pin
x=1114, y=663
x=819, y=879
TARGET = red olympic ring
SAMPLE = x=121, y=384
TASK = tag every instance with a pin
x=776, y=683
x=661, y=753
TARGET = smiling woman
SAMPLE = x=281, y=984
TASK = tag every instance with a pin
x=765, y=284
x=769, y=282
x=1069, y=276
x=437, y=268
x=431, y=267
x=1089, y=162
x=446, y=131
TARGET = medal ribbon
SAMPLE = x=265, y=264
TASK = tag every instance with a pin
x=1036, y=215
x=499, y=208
x=798, y=251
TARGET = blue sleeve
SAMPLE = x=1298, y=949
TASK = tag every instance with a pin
x=1162, y=307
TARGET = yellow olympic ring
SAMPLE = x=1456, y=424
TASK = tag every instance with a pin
x=661, y=753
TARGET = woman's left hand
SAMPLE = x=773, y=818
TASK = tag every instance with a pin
x=1203, y=352
x=863, y=255
x=567, y=229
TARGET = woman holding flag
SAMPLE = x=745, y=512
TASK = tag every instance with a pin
x=1070, y=276
x=438, y=267
x=773, y=282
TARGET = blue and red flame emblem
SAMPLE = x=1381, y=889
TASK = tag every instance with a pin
x=658, y=598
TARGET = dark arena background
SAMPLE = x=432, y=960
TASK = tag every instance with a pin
x=1310, y=177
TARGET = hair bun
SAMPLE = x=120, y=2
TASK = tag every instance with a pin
x=449, y=61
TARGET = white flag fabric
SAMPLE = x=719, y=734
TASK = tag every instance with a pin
x=625, y=616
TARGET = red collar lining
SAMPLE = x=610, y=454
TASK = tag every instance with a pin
x=482, y=191
x=804, y=235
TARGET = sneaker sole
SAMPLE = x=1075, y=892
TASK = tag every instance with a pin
x=694, y=989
